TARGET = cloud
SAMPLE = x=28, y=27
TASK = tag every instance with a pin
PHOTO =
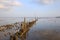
x=16, y=3
x=45, y=2
x=2, y=6
x=9, y=3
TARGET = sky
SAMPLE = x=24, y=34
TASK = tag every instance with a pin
x=29, y=8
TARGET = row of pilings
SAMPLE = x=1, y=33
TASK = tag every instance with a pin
x=25, y=27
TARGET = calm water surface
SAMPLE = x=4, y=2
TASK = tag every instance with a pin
x=44, y=29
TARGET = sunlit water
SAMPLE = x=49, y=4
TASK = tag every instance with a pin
x=39, y=31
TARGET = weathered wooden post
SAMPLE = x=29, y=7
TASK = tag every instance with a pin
x=23, y=24
x=11, y=37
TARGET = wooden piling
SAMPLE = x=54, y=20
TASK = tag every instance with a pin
x=25, y=27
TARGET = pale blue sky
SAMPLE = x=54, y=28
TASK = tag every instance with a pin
x=31, y=8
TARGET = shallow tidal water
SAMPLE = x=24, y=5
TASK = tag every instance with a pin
x=43, y=29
